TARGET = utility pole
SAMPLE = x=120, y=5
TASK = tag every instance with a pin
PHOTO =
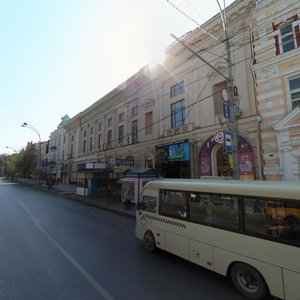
x=232, y=116
x=230, y=90
x=231, y=100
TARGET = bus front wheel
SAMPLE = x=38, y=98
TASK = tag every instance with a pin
x=248, y=281
x=149, y=241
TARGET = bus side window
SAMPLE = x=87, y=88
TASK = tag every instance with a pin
x=273, y=220
x=149, y=203
x=256, y=219
x=173, y=203
x=197, y=204
x=215, y=209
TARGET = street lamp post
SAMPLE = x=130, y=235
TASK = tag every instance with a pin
x=39, y=149
x=12, y=149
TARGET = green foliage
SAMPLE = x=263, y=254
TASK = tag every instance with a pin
x=22, y=163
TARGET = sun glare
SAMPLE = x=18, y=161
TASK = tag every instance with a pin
x=157, y=59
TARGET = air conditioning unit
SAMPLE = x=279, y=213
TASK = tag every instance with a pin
x=107, y=147
x=170, y=132
x=177, y=130
x=127, y=140
x=187, y=127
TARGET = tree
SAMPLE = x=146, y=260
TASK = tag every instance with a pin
x=22, y=164
x=25, y=162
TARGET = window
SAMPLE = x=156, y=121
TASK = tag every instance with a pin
x=134, y=111
x=109, y=122
x=91, y=143
x=217, y=91
x=149, y=203
x=92, y=130
x=81, y=182
x=294, y=86
x=109, y=137
x=173, y=203
x=275, y=218
x=100, y=126
x=84, y=146
x=288, y=37
x=134, y=131
x=121, y=117
x=72, y=150
x=121, y=134
x=177, y=89
x=214, y=209
x=84, y=133
x=99, y=140
x=148, y=122
x=177, y=114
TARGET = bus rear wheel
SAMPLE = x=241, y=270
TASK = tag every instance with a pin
x=249, y=282
x=149, y=241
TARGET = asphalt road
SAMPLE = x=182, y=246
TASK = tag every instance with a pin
x=54, y=248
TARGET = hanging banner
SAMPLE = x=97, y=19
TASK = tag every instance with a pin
x=205, y=166
x=246, y=164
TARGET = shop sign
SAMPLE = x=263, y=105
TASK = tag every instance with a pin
x=219, y=137
x=171, y=143
x=271, y=170
x=124, y=162
x=59, y=166
x=179, y=152
x=91, y=166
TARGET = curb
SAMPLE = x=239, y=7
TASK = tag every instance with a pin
x=80, y=199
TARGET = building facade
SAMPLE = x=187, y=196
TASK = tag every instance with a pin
x=56, y=151
x=173, y=117
x=276, y=47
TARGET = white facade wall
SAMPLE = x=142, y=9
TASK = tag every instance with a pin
x=149, y=91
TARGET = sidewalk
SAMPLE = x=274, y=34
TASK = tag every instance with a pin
x=69, y=191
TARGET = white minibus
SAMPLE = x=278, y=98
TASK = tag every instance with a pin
x=227, y=226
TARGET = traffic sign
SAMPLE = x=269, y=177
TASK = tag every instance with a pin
x=228, y=141
x=226, y=111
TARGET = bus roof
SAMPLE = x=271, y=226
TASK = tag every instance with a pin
x=276, y=189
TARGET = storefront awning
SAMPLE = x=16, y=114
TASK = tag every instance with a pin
x=140, y=173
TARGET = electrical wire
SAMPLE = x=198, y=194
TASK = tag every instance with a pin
x=240, y=46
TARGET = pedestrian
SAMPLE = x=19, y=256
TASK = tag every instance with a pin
x=108, y=193
x=49, y=182
x=127, y=196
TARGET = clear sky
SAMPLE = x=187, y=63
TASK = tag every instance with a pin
x=58, y=57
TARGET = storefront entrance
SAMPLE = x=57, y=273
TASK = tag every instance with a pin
x=173, y=159
x=224, y=163
x=215, y=162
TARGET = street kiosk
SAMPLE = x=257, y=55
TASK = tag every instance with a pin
x=134, y=181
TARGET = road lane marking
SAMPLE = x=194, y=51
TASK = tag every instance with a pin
x=79, y=268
